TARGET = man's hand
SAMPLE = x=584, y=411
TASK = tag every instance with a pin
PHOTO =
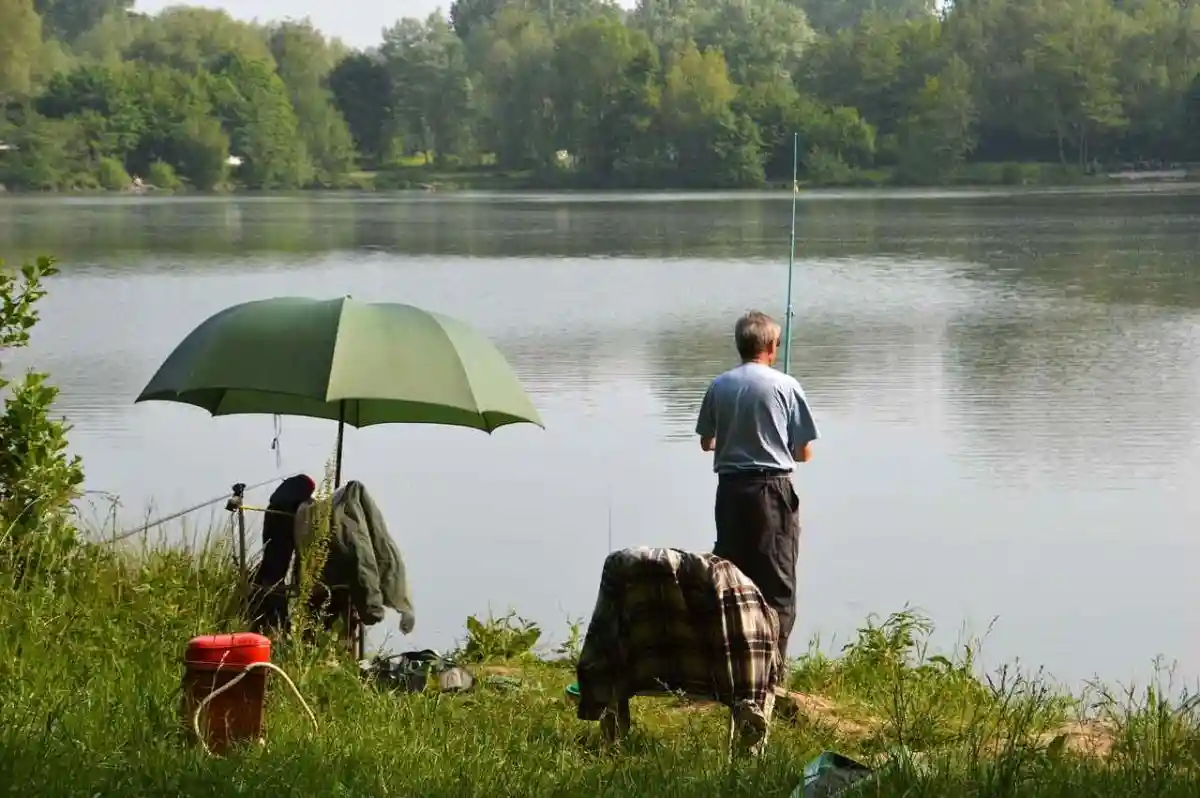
x=804, y=453
x=708, y=444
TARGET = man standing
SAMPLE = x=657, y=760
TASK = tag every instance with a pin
x=756, y=422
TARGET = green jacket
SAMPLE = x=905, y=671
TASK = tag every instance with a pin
x=364, y=558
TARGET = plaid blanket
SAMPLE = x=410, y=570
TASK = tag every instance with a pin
x=668, y=620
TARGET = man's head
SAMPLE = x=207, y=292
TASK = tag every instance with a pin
x=757, y=338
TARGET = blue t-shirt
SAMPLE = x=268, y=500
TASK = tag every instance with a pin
x=759, y=416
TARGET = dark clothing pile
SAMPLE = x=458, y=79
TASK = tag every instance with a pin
x=363, y=572
x=268, y=586
x=668, y=620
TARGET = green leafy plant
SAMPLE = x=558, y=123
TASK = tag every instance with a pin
x=38, y=478
x=313, y=554
x=505, y=638
x=570, y=649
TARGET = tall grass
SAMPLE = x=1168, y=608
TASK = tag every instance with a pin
x=89, y=705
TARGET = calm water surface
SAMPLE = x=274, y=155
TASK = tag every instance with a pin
x=1006, y=385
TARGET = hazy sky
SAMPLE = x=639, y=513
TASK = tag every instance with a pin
x=356, y=22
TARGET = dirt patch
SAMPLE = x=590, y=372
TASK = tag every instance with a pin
x=824, y=713
x=1084, y=738
x=496, y=670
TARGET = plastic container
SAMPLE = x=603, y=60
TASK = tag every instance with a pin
x=213, y=661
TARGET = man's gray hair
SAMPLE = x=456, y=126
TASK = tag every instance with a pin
x=755, y=333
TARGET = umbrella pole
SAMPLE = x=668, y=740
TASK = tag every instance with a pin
x=357, y=632
x=337, y=463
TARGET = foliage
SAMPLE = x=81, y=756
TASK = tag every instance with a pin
x=251, y=99
x=505, y=638
x=20, y=45
x=690, y=93
x=313, y=553
x=38, y=479
x=111, y=174
x=161, y=174
x=80, y=717
x=304, y=60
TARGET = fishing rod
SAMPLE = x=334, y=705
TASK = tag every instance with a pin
x=143, y=528
x=789, y=312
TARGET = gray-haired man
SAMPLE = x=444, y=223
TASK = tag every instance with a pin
x=756, y=422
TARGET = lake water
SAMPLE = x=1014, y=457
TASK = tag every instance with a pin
x=1006, y=384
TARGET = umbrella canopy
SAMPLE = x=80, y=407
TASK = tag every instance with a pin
x=360, y=363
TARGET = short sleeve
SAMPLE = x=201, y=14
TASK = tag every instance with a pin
x=706, y=420
x=801, y=427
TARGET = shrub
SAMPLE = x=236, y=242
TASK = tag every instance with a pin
x=161, y=174
x=111, y=175
x=38, y=479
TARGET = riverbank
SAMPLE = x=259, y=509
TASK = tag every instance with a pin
x=421, y=177
x=413, y=176
x=90, y=662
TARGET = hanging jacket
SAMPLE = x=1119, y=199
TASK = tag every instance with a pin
x=268, y=597
x=363, y=558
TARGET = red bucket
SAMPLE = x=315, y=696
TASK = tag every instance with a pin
x=210, y=663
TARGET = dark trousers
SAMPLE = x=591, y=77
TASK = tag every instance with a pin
x=758, y=530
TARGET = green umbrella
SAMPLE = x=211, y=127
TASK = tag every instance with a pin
x=360, y=363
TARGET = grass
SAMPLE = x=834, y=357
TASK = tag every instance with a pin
x=90, y=643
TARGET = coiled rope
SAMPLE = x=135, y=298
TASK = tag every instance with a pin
x=208, y=699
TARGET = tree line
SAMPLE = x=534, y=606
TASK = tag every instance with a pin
x=672, y=93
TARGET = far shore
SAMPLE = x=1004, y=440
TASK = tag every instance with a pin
x=432, y=179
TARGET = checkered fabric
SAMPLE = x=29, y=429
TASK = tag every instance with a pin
x=673, y=621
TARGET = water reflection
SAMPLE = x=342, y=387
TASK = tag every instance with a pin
x=1001, y=379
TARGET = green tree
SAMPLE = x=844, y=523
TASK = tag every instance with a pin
x=705, y=140
x=432, y=85
x=467, y=16
x=107, y=41
x=253, y=103
x=20, y=47
x=194, y=39
x=181, y=126
x=606, y=97
x=760, y=40
x=939, y=133
x=47, y=154
x=162, y=175
x=833, y=16
x=200, y=148
x=68, y=19
x=363, y=91
x=781, y=112
x=1076, y=92
x=38, y=478
x=100, y=100
x=513, y=56
x=304, y=60
x=877, y=67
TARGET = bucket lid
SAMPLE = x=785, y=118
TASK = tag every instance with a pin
x=232, y=651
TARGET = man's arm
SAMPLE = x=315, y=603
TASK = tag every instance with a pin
x=706, y=422
x=802, y=429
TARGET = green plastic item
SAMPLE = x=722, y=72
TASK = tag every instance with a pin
x=830, y=774
x=573, y=692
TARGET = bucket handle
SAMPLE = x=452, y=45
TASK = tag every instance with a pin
x=230, y=684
